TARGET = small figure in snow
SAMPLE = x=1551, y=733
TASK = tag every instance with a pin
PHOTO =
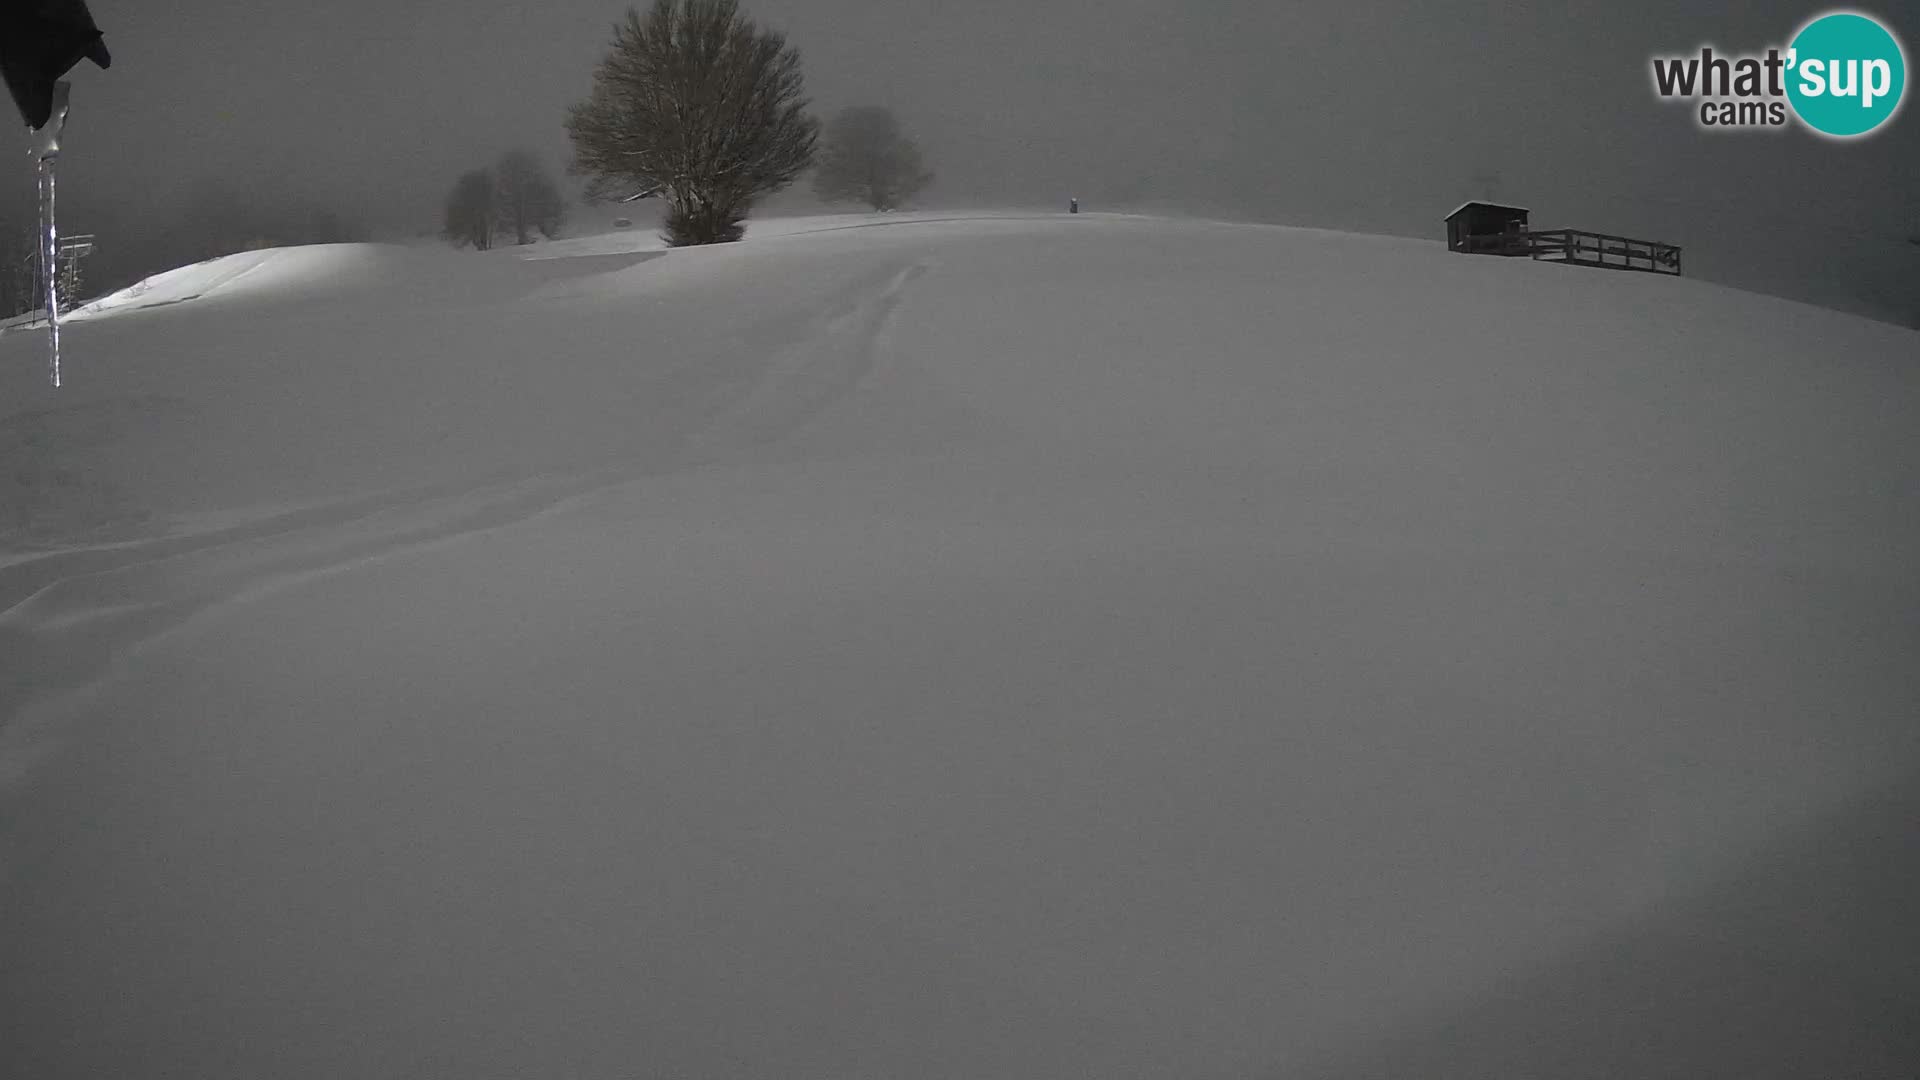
x=1073, y=206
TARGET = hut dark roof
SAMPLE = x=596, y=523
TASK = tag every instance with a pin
x=1470, y=203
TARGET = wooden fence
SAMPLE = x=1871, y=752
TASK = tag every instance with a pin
x=1577, y=247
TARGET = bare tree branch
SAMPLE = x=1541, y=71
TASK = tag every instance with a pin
x=697, y=101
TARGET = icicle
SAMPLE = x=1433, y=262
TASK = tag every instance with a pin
x=50, y=266
x=47, y=152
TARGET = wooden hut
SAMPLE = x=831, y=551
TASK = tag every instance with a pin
x=1484, y=228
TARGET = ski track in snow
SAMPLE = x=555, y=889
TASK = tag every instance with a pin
x=65, y=617
x=833, y=360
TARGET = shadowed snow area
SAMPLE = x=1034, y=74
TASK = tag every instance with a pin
x=999, y=646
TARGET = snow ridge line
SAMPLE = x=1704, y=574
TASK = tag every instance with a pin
x=126, y=296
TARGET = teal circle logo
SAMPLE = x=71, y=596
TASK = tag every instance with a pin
x=1848, y=74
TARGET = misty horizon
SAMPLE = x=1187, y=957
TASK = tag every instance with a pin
x=1329, y=115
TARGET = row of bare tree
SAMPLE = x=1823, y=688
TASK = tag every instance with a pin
x=514, y=198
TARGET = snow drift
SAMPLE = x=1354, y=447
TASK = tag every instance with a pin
x=1011, y=646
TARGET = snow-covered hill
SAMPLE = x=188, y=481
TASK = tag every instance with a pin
x=973, y=646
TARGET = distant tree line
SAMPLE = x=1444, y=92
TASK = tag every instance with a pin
x=514, y=198
x=693, y=103
x=218, y=219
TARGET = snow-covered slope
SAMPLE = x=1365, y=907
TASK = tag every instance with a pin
x=1000, y=647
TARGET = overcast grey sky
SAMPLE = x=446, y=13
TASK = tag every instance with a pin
x=1375, y=116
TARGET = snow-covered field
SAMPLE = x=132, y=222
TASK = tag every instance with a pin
x=974, y=646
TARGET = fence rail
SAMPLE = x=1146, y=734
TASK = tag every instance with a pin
x=1578, y=247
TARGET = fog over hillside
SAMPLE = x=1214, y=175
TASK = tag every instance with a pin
x=1376, y=118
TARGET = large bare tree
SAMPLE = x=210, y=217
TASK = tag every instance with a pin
x=867, y=158
x=697, y=103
